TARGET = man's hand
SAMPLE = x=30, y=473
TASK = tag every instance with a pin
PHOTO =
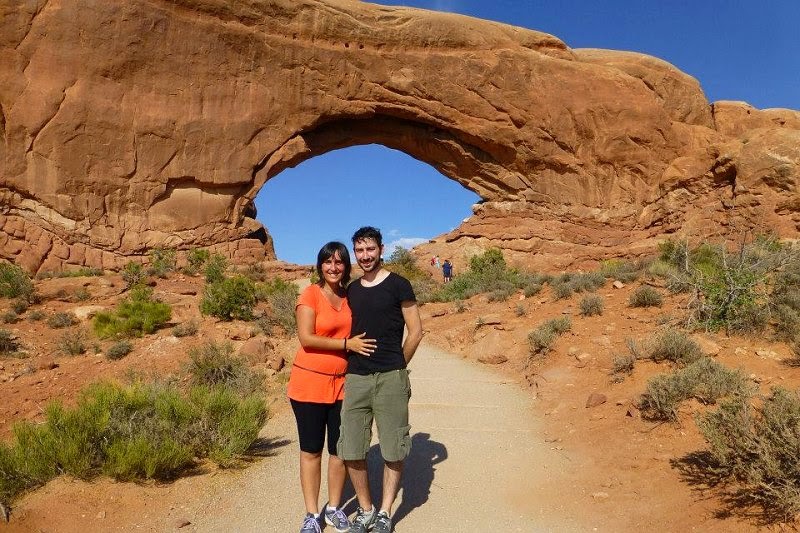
x=414, y=326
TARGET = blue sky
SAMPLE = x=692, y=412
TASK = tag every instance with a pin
x=738, y=50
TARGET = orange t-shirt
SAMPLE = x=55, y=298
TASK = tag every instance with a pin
x=318, y=375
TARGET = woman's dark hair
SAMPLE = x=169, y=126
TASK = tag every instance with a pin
x=327, y=252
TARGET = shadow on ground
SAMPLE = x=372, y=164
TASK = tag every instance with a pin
x=419, y=473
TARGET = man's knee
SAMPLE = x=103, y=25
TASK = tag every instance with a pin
x=394, y=465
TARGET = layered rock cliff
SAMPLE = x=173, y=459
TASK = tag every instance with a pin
x=148, y=123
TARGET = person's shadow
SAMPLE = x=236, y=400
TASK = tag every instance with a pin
x=418, y=475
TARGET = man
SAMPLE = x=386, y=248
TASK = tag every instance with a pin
x=377, y=386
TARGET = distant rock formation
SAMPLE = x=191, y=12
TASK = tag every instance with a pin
x=130, y=125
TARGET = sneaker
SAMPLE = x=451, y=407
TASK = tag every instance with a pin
x=337, y=519
x=310, y=524
x=363, y=521
x=383, y=524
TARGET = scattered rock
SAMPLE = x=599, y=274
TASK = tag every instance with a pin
x=188, y=292
x=708, y=346
x=740, y=351
x=618, y=284
x=491, y=320
x=767, y=354
x=438, y=313
x=100, y=515
x=633, y=411
x=257, y=350
x=47, y=365
x=492, y=359
x=87, y=311
x=595, y=399
x=600, y=495
x=181, y=523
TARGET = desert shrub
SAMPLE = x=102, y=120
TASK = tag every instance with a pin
x=162, y=262
x=133, y=274
x=82, y=294
x=737, y=289
x=215, y=267
x=139, y=431
x=15, y=282
x=186, y=329
x=61, y=320
x=282, y=299
x=231, y=298
x=531, y=289
x=119, y=349
x=705, y=380
x=19, y=306
x=73, y=342
x=195, y=259
x=487, y=272
x=520, y=310
x=502, y=293
x=10, y=317
x=757, y=446
x=562, y=291
x=76, y=273
x=645, y=296
x=622, y=365
x=619, y=270
x=136, y=315
x=402, y=262
x=36, y=315
x=8, y=343
x=541, y=339
x=213, y=364
x=675, y=346
x=460, y=306
x=591, y=305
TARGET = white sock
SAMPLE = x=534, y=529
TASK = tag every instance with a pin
x=329, y=507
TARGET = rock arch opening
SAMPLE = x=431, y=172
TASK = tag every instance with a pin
x=328, y=196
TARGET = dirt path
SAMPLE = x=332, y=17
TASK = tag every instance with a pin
x=478, y=462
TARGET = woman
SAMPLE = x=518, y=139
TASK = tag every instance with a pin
x=316, y=383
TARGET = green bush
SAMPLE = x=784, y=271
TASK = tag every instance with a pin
x=738, y=289
x=705, y=379
x=82, y=294
x=140, y=431
x=61, y=320
x=591, y=305
x=215, y=268
x=162, y=262
x=213, y=364
x=77, y=273
x=119, y=349
x=73, y=342
x=757, y=447
x=136, y=315
x=20, y=306
x=402, y=262
x=231, y=298
x=10, y=317
x=675, y=346
x=133, y=274
x=645, y=296
x=619, y=270
x=541, y=339
x=282, y=299
x=197, y=258
x=36, y=315
x=622, y=365
x=15, y=282
x=520, y=310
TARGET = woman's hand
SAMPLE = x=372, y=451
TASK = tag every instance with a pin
x=360, y=345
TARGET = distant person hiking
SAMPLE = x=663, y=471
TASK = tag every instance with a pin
x=377, y=385
x=447, y=271
x=316, y=382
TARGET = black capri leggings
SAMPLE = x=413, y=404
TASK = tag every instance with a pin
x=312, y=421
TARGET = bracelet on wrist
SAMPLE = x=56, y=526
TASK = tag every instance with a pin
x=345, y=345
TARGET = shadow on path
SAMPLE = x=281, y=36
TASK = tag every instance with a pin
x=418, y=476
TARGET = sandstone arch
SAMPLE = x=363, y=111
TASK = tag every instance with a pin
x=156, y=122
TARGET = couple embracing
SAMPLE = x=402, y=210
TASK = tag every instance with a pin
x=350, y=370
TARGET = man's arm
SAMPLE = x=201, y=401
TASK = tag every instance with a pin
x=414, y=326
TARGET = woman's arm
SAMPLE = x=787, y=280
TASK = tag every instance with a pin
x=305, y=332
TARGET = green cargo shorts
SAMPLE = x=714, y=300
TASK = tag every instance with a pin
x=382, y=396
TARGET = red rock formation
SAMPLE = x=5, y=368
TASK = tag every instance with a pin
x=155, y=123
